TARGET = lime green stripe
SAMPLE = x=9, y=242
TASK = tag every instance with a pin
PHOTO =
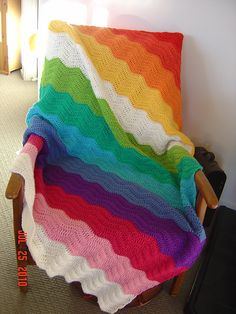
x=79, y=88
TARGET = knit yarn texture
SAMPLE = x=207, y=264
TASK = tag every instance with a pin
x=109, y=176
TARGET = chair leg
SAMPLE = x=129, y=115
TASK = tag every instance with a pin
x=22, y=261
x=177, y=284
x=20, y=243
x=22, y=280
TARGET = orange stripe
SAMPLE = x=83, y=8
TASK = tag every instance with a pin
x=124, y=81
x=167, y=46
x=141, y=62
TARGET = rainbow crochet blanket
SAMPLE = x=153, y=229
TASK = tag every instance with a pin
x=109, y=177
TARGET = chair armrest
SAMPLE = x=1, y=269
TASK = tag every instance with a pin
x=205, y=189
x=16, y=182
x=14, y=186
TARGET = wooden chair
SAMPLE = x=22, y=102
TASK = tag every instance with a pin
x=206, y=198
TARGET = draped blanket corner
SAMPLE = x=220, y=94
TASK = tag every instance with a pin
x=109, y=176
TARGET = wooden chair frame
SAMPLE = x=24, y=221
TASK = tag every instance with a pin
x=15, y=190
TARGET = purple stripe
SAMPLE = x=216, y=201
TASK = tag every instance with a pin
x=170, y=238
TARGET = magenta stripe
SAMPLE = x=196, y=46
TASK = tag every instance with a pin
x=97, y=251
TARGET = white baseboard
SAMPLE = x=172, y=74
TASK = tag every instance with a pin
x=229, y=204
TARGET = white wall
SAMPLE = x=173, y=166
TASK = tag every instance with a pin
x=208, y=66
x=28, y=28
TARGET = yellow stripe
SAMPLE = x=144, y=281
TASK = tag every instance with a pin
x=124, y=81
x=154, y=73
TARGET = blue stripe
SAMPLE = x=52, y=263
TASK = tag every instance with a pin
x=186, y=219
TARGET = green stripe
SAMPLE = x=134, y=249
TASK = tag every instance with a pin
x=80, y=89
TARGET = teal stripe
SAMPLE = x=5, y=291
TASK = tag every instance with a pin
x=87, y=149
x=79, y=88
x=80, y=115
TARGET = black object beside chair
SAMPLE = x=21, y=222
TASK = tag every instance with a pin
x=214, y=290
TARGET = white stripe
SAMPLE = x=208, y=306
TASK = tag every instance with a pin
x=23, y=166
x=132, y=120
x=54, y=258
x=88, y=244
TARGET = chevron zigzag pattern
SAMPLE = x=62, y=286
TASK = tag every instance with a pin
x=109, y=176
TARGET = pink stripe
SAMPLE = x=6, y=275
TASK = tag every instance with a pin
x=97, y=251
x=32, y=147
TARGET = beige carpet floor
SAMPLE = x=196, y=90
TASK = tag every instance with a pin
x=45, y=295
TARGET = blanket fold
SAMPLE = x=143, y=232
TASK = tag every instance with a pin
x=109, y=176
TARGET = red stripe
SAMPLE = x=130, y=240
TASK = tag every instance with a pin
x=126, y=240
x=36, y=140
x=143, y=37
x=167, y=46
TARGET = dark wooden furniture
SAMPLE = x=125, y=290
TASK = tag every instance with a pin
x=215, y=175
x=206, y=197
